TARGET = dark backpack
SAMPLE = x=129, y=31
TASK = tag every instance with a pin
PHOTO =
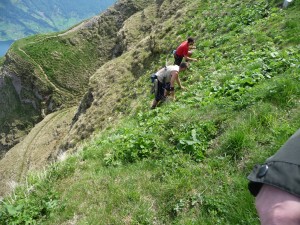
x=153, y=78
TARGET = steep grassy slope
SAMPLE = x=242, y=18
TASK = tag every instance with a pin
x=115, y=87
x=45, y=73
x=185, y=162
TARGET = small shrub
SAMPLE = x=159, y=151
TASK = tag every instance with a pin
x=235, y=143
x=28, y=208
x=283, y=93
x=263, y=116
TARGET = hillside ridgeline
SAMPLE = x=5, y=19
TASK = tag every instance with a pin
x=48, y=73
x=45, y=73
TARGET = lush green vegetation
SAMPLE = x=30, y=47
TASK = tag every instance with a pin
x=67, y=67
x=1, y=60
x=72, y=77
x=185, y=162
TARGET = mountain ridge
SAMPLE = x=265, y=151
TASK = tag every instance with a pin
x=38, y=73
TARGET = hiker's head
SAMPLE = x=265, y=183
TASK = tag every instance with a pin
x=191, y=40
x=183, y=66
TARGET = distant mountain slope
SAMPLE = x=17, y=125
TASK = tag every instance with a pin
x=22, y=18
x=45, y=73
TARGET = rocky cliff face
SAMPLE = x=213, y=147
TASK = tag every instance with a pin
x=19, y=101
x=95, y=66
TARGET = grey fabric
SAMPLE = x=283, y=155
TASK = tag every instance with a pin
x=164, y=74
x=281, y=170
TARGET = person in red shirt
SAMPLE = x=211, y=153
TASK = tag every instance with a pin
x=183, y=51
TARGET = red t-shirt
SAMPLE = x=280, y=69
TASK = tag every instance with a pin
x=183, y=49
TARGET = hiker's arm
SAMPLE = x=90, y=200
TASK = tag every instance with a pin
x=187, y=58
x=179, y=82
x=174, y=78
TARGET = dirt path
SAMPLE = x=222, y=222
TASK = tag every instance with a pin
x=74, y=29
x=45, y=76
x=41, y=69
x=34, y=151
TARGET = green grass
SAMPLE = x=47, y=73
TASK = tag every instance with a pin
x=186, y=162
x=65, y=62
x=67, y=67
x=2, y=60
